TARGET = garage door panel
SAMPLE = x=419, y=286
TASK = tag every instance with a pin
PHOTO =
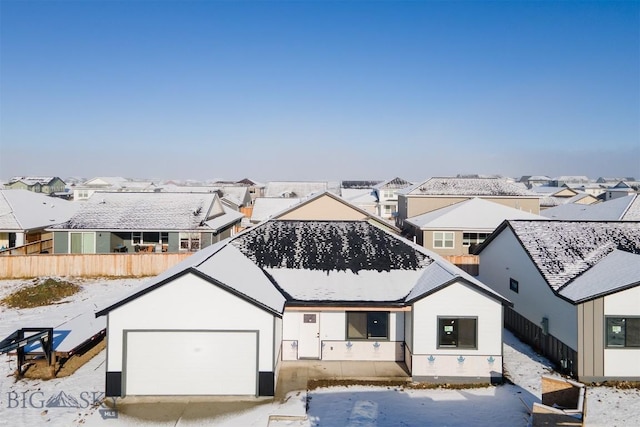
x=191, y=363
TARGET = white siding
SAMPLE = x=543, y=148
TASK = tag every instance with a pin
x=504, y=258
x=189, y=303
x=457, y=300
x=334, y=344
x=620, y=362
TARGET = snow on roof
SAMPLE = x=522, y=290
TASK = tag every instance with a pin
x=266, y=207
x=299, y=188
x=616, y=271
x=624, y=208
x=327, y=246
x=26, y=210
x=319, y=261
x=562, y=250
x=572, y=178
x=360, y=195
x=230, y=267
x=221, y=221
x=473, y=214
x=448, y=186
x=32, y=180
x=395, y=183
x=633, y=210
x=345, y=286
x=143, y=211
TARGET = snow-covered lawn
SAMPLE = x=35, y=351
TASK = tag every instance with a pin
x=23, y=403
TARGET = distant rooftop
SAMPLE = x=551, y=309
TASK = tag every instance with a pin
x=449, y=186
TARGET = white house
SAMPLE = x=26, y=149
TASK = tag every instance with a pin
x=220, y=322
x=575, y=288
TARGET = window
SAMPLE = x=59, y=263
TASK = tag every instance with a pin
x=443, y=239
x=623, y=332
x=513, y=285
x=363, y=325
x=82, y=243
x=457, y=332
x=189, y=241
x=472, y=239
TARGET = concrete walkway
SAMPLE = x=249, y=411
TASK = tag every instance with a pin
x=295, y=375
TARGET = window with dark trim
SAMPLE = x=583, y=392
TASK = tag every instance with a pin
x=457, y=332
x=367, y=325
x=513, y=285
x=623, y=332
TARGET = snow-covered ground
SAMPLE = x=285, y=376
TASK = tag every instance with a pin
x=24, y=403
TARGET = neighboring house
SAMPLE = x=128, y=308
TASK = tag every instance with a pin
x=327, y=206
x=24, y=216
x=436, y=193
x=556, y=196
x=621, y=189
x=575, y=288
x=220, y=322
x=621, y=209
x=299, y=189
x=569, y=181
x=364, y=198
x=235, y=196
x=534, y=181
x=111, y=184
x=265, y=208
x=388, y=197
x=458, y=229
x=36, y=184
x=148, y=222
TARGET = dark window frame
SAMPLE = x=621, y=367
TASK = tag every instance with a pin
x=622, y=322
x=514, y=285
x=369, y=315
x=456, y=319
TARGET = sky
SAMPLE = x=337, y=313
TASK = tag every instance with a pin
x=319, y=90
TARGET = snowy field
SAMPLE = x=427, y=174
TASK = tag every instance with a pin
x=24, y=403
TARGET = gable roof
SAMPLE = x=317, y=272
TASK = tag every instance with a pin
x=265, y=208
x=394, y=183
x=562, y=251
x=23, y=210
x=450, y=186
x=146, y=211
x=32, y=180
x=318, y=262
x=370, y=217
x=623, y=208
x=472, y=214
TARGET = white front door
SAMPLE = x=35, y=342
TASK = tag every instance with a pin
x=309, y=342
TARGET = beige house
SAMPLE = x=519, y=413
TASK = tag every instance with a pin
x=459, y=228
x=329, y=207
x=437, y=193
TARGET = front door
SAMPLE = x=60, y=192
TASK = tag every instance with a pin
x=309, y=342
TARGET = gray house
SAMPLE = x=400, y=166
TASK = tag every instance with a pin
x=145, y=222
x=575, y=288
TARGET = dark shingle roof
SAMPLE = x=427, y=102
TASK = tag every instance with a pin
x=328, y=245
x=447, y=186
x=563, y=250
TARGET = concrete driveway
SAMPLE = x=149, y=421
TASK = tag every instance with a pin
x=288, y=404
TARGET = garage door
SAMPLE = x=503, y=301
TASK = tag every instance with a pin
x=191, y=363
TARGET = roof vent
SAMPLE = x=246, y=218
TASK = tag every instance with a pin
x=197, y=211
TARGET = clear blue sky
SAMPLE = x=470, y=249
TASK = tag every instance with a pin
x=319, y=89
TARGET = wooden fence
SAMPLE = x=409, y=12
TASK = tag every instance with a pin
x=39, y=247
x=88, y=265
x=468, y=263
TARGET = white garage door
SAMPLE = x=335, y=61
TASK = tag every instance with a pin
x=191, y=363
